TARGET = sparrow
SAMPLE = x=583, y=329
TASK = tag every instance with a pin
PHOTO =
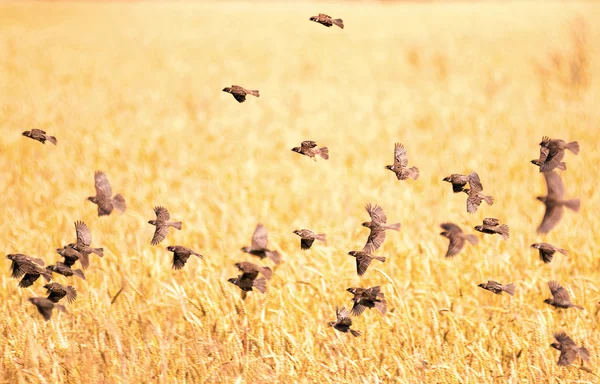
x=249, y=280
x=458, y=181
x=400, y=166
x=555, y=202
x=240, y=93
x=181, y=255
x=39, y=135
x=492, y=226
x=247, y=267
x=57, y=291
x=71, y=255
x=560, y=297
x=308, y=148
x=547, y=251
x=367, y=298
x=498, y=288
x=377, y=225
x=475, y=196
x=307, y=237
x=327, y=21
x=65, y=270
x=568, y=349
x=343, y=322
x=457, y=238
x=552, y=152
x=103, y=198
x=363, y=259
x=259, y=245
x=84, y=239
x=29, y=268
x=162, y=224
x=45, y=306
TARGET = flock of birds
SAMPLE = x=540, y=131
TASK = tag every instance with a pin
x=552, y=153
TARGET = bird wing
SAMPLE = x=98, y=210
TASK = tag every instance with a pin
x=362, y=263
x=343, y=316
x=375, y=240
x=84, y=235
x=103, y=188
x=162, y=214
x=160, y=233
x=567, y=356
x=552, y=216
x=451, y=227
x=239, y=97
x=44, y=306
x=555, y=185
x=564, y=339
x=259, y=237
x=491, y=221
x=543, y=155
x=376, y=213
x=249, y=275
x=473, y=201
x=306, y=243
x=308, y=144
x=400, y=155
x=559, y=293
x=456, y=245
x=475, y=183
x=178, y=260
x=553, y=159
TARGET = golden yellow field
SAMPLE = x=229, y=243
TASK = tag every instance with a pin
x=135, y=90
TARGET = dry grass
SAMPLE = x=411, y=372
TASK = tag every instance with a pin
x=135, y=90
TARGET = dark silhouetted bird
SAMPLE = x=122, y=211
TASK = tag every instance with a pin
x=400, y=166
x=560, y=297
x=458, y=181
x=309, y=148
x=259, y=245
x=492, y=226
x=57, y=291
x=552, y=152
x=498, y=288
x=71, y=255
x=39, y=135
x=368, y=298
x=30, y=268
x=181, y=255
x=568, y=349
x=343, y=322
x=363, y=259
x=249, y=280
x=247, y=267
x=45, y=306
x=457, y=238
x=555, y=202
x=327, y=21
x=378, y=226
x=547, y=251
x=103, y=198
x=65, y=270
x=162, y=224
x=240, y=93
x=307, y=237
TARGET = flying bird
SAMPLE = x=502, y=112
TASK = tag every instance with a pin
x=71, y=255
x=309, y=148
x=45, y=306
x=498, y=288
x=307, y=237
x=547, y=251
x=458, y=181
x=39, y=135
x=378, y=225
x=84, y=240
x=103, y=198
x=181, y=255
x=400, y=166
x=475, y=194
x=249, y=280
x=29, y=268
x=492, y=226
x=247, y=267
x=240, y=93
x=343, y=322
x=65, y=270
x=327, y=21
x=560, y=297
x=363, y=260
x=568, y=349
x=555, y=202
x=457, y=238
x=162, y=224
x=58, y=291
x=259, y=245
x=552, y=152
x=367, y=298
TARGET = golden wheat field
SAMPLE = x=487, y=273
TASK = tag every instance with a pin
x=135, y=90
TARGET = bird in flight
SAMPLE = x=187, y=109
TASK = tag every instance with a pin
x=367, y=298
x=343, y=322
x=239, y=93
x=45, y=306
x=181, y=255
x=568, y=349
x=39, y=135
x=498, y=288
x=400, y=166
x=457, y=238
x=560, y=297
x=259, y=245
x=492, y=226
x=552, y=152
x=103, y=198
x=555, y=202
x=162, y=224
x=309, y=148
x=378, y=225
x=547, y=251
x=327, y=21
x=307, y=238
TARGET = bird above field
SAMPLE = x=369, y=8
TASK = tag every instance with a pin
x=71, y=255
x=547, y=251
x=45, y=306
x=39, y=135
x=308, y=148
x=30, y=268
x=343, y=322
x=84, y=240
x=400, y=166
x=555, y=202
x=457, y=238
x=58, y=291
x=249, y=280
x=363, y=260
x=307, y=237
x=458, y=181
x=248, y=267
x=103, y=198
x=240, y=93
x=378, y=225
x=560, y=297
x=552, y=152
x=492, y=226
x=65, y=270
x=162, y=224
x=474, y=192
x=259, y=245
x=181, y=255
x=367, y=298
x=568, y=349
x=327, y=21
x=498, y=288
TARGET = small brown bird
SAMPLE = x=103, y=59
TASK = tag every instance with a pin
x=45, y=306
x=103, y=198
x=363, y=259
x=475, y=196
x=560, y=297
x=240, y=93
x=492, y=226
x=30, y=268
x=400, y=166
x=248, y=280
x=247, y=267
x=308, y=148
x=307, y=238
x=39, y=135
x=367, y=298
x=378, y=226
x=457, y=238
x=547, y=251
x=259, y=245
x=555, y=202
x=568, y=349
x=181, y=255
x=57, y=291
x=71, y=255
x=552, y=152
x=162, y=224
x=458, y=181
x=84, y=240
x=498, y=288
x=327, y=21
x=343, y=322
x=65, y=270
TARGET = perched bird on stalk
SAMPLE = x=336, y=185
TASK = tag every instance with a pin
x=181, y=255
x=27, y=267
x=65, y=270
x=307, y=237
x=240, y=93
x=103, y=198
x=400, y=166
x=367, y=298
x=343, y=322
x=45, y=306
x=162, y=224
x=552, y=152
x=492, y=226
x=498, y=288
x=568, y=349
x=547, y=251
x=327, y=21
x=247, y=267
x=363, y=259
x=555, y=202
x=457, y=238
x=39, y=135
x=378, y=225
x=560, y=297
x=259, y=245
x=308, y=148
x=57, y=291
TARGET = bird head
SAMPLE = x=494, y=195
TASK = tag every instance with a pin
x=352, y=253
x=153, y=222
x=332, y=323
x=482, y=285
x=536, y=162
x=26, y=133
x=313, y=18
x=536, y=246
x=542, y=199
x=555, y=346
x=351, y=290
x=448, y=179
x=367, y=224
x=478, y=227
x=10, y=257
x=47, y=286
x=171, y=248
x=297, y=232
x=548, y=301
x=72, y=245
x=296, y=149
x=445, y=234
x=50, y=267
x=60, y=251
x=245, y=249
x=227, y=89
x=92, y=199
x=389, y=167
x=233, y=280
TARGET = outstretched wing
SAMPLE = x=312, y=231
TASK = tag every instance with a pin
x=376, y=213
x=259, y=238
x=84, y=235
x=162, y=214
x=555, y=185
x=103, y=188
x=400, y=155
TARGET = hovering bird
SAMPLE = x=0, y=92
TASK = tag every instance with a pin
x=71, y=255
x=343, y=322
x=547, y=251
x=45, y=306
x=308, y=148
x=39, y=135
x=555, y=202
x=327, y=21
x=162, y=224
x=378, y=225
x=247, y=267
x=552, y=152
x=492, y=226
x=307, y=238
x=240, y=93
x=457, y=238
x=259, y=245
x=568, y=349
x=498, y=288
x=181, y=255
x=65, y=270
x=57, y=291
x=475, y=196
x=560, y=297
x=458, y=181
x=363, y=259
x=400, y=166
x=29, y=268
x=367, y=298
x=249, y=280
x=103, y=198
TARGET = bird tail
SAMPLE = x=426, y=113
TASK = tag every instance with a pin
x=47, y=273
x=380, y=258
x=504, y=231
x=488, y=199
x=355, y=333
x=573, y=204
x=562, y=166
x=472, y=239
x=413, y=172
x=267, y=272
x=60, y=307
x=573, y=147
x=79, y=273
x=198, y=255
x=394, y=227
x=578, y=307
x=509, y=288
x=338, y=22
x=84, y=260
x=274, y=256
x=322, y=237
x=324, y=153
x=176, y=224
x=563, y=251
x=584, y=353
x=260, y=284
x=254, y=93
x=119, y=203
x=98, y=251
x=381, y=306
x=53, y=140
